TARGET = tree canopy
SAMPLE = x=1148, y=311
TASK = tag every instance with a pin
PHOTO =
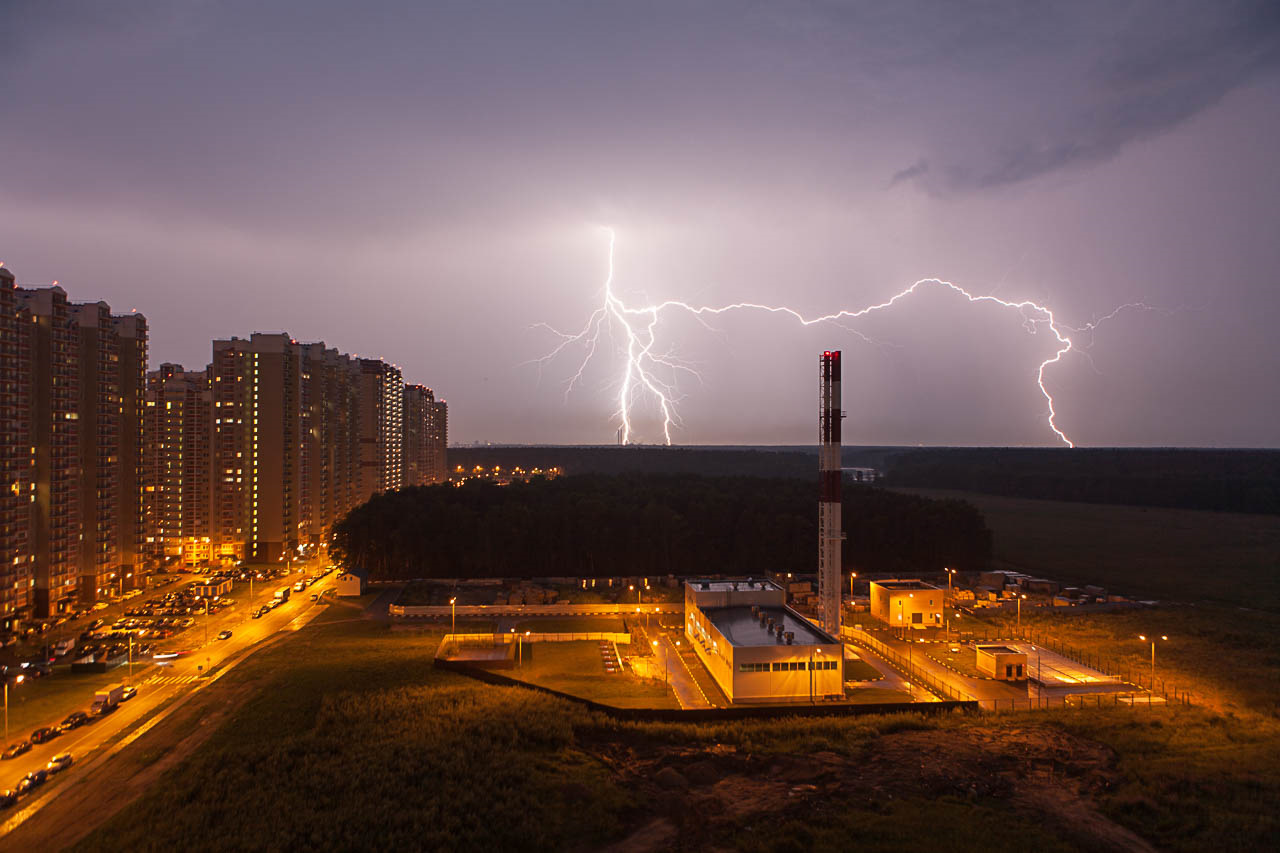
x=647, y=524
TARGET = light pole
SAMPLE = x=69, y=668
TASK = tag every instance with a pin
x=1019, y=601
x=950, y=574
x=520, y=649
x=453, y=606
x=852, y=575
x=17, y=680
x=666, y=664
x=901, y=625
x=1152, y=641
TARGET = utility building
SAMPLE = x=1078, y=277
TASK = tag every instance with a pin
x=907, y=603
x=758, y=649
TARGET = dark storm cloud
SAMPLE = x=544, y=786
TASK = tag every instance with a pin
x=424, y=181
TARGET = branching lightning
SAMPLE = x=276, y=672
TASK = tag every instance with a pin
x=644, y=365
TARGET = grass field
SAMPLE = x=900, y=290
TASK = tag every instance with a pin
x=860, y=670
x=1186, y=555
x=345, y=737
x=572, y=625
x=576, y=668
x=42, y=701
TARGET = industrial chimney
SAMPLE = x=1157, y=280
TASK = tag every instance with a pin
x=829, y=493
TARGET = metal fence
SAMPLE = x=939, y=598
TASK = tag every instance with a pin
x=1136, y=675
x=453, y=641
x=939, y=688
x=623, y=609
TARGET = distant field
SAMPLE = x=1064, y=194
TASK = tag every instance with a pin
x=1187, y=555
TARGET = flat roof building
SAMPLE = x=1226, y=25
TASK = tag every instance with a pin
x=907, y=603
x=758, y=649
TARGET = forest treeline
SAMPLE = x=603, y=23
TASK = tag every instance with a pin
x=1224, y=480
x=633, y=524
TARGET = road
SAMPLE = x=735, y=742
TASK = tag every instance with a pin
x=621, y=609
x=159, y=684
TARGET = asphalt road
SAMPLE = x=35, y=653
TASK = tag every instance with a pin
x=157, y=684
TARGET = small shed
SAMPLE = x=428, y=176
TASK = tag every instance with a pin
x=1001, y=662
x=351, y=583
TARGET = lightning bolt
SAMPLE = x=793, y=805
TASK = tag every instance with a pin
x=644, y=366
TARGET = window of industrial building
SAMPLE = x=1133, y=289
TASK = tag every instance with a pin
x=917, y=618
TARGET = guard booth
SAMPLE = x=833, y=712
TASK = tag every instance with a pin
x=1001, y=663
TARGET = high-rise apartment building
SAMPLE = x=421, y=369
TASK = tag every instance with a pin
x=256, y=389
x=17, y=488
x=51, y=344
x=425, y=437
x=178, y=466
x=330, y=432
x=131, y=335
x=438, y=437
x=381, y=417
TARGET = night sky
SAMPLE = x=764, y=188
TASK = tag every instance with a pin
x=427, y=182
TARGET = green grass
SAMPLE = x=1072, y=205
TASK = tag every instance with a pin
x=46, y=701
x=573, y=625
x=576, y=668
x=963, y=661
x=1187, y=555
x=352, y=740
x=1228, y=657
x=860, y=670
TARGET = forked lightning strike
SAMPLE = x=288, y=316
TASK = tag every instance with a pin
x=638, y=326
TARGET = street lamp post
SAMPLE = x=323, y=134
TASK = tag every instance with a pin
x=453, y=606
x=1152, y=641
x=17, y=680
x=852, y=575
x=950, y=574
x=666, y=664
x=1019, y=601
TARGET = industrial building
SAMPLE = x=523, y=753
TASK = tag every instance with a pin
x=758, y=649
x=907, y=603
x=1001, y=662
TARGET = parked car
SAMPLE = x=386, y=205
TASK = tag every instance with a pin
x=224, y=635
x=16, y=749
x=74, y=720
x=59, y=763
x=44, y=733
x=8, y=798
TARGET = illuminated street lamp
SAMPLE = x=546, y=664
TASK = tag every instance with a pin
x=852, y=575
x=1152, y=641
x=632, y=587
x=812, y=652
x=666, y=664
x=520, y=649
x=453, y=606
x=18, y=680
x=1019, y=601
x=950, y=574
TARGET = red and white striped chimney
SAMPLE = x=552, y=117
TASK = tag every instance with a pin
x=829, y=494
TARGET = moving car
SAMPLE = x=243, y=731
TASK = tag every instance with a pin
x=8, y=798
x=16, y=749
x=129, y=693
x=59, y=763
x=32, y=780
x=224, y=635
